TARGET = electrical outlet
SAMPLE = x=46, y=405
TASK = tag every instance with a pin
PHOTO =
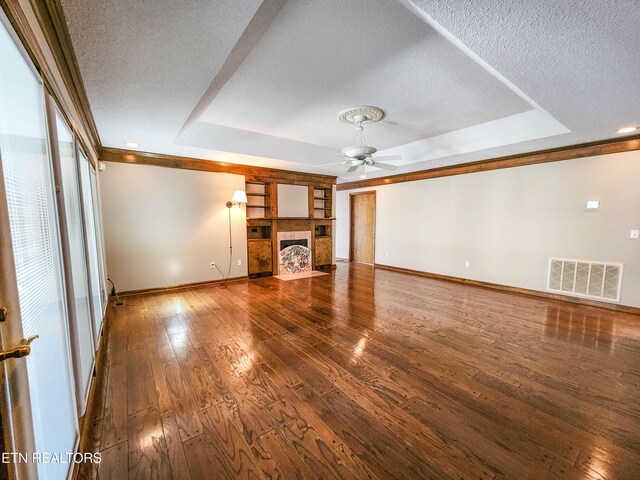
x=386, y=254
x=634, y=234
x=467, y=264
x=213, y=265
x=239, y=262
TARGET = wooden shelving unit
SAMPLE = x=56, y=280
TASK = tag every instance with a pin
x=258, y=198
x=322, y=202
x=263, y=224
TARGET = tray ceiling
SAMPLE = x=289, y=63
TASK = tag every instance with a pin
x=261, y=83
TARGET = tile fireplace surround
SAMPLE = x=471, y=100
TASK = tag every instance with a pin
x=294, y=258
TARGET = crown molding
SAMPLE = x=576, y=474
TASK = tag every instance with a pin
x=604, y=147
x=52, y=24
x=108, y=154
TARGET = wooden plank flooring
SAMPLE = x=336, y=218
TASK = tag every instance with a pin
x=365, y=374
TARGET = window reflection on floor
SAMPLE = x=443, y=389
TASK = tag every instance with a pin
x=593, y=330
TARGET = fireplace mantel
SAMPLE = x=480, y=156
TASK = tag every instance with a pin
x=263, y=231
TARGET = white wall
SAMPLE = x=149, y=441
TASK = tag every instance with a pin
x=164, y=226
x=508, y=222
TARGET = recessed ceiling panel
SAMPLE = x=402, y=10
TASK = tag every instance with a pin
x=318, y=58
x=260, y=82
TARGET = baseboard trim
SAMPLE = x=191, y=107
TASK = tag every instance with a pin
x=205, y=283
x=85, y=423
x=516, y=290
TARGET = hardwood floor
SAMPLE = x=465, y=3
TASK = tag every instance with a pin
x=365, y=374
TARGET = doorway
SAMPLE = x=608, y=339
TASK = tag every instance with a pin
x=362, y=239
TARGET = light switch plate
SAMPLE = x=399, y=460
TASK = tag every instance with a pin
x=634, y=234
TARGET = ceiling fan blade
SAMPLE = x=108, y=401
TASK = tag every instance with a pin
x=331, y=164
x=384, y=166
x=352, y=168
x=388, y=158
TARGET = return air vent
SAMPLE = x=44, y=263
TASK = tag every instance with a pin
x=585, y=279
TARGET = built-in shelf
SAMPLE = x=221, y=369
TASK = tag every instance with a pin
x=322, y=202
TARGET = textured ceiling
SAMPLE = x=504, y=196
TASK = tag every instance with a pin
x=318, y=58
x=261, y=82
x=145, y=64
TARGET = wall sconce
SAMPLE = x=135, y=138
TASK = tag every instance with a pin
x=239, y=196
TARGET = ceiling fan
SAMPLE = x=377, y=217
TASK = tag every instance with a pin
x=361, y=155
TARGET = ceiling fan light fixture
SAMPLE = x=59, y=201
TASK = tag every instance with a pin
x=357, y=162
x=359, y=152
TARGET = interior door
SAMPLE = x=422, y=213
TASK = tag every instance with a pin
x=363, y=227
x=38, y=397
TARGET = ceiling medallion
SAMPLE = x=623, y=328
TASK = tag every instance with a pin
x=364, y=114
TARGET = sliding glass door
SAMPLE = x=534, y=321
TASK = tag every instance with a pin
x=52, y=279
x=32, y=271
x=77, y=262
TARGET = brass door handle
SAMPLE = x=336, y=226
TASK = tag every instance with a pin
x=21, y=350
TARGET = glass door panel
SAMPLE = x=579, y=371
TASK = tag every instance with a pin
x=98, y=222
x=75, y=233
x=90, y=230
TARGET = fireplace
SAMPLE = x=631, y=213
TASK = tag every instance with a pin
x=294, y=252
x=287, y=243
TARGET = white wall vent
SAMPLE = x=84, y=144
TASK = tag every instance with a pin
x=584, y=278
